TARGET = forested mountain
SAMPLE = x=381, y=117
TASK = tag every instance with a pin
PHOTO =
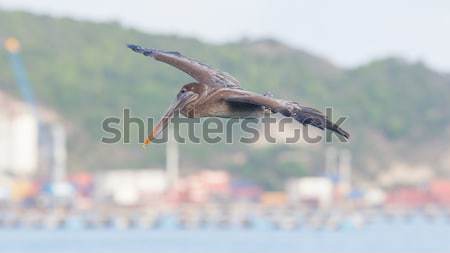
x=83, y=70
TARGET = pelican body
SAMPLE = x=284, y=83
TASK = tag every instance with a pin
x=218, y=94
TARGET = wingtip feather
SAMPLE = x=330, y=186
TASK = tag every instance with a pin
x=343, y=133
x=335, y=128
x=141, y=50
x=134, y=47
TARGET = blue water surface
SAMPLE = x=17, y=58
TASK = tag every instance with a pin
x=380, y=236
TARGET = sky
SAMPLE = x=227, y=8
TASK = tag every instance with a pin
x=347, y=32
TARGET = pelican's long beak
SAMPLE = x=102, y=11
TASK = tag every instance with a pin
x=181, y=101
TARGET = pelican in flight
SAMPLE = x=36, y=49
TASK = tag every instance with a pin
x=218, y=94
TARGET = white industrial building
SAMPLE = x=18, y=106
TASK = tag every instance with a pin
x=315, y=190
x=132, y=186
x=32, y=142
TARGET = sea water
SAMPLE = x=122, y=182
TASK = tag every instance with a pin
x=379, y=236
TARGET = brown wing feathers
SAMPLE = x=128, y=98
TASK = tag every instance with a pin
x=304, y=115
x=199, y=71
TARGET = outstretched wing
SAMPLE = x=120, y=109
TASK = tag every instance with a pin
x=199, y=71
x=304, y=115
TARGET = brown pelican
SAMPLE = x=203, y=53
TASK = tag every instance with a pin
x=218, y=94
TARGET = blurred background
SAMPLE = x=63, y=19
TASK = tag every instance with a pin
x=64, y=68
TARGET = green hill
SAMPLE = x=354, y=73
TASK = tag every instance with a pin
x=84, y=71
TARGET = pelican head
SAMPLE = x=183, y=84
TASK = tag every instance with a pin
x=187, y=95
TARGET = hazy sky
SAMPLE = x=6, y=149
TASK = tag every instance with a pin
x=348, y=32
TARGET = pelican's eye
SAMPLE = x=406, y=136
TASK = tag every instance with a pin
x=183, y=90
